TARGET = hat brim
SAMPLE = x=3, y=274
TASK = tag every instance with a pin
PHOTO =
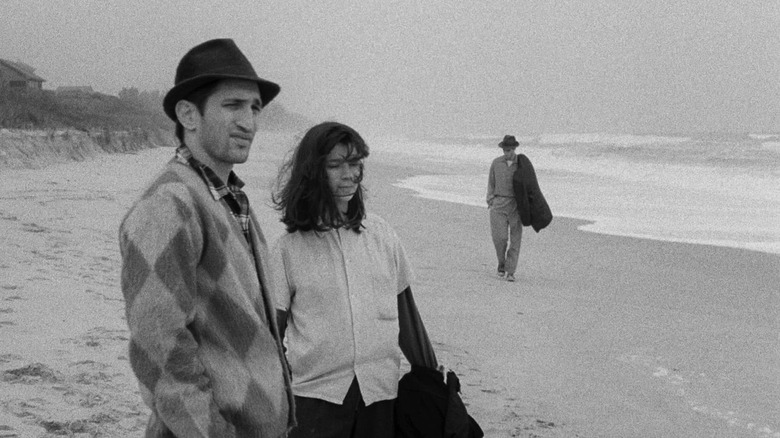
x=268, y=90
x=508, y=145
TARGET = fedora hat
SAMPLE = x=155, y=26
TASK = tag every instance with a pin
x=211, y=61
x=508, y=141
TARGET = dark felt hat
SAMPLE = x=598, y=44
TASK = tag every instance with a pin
x=508, y=142
x=210, y=61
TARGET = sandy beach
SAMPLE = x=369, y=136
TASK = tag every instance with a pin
x=601, y=336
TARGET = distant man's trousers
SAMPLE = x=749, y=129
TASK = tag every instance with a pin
x=507, y=232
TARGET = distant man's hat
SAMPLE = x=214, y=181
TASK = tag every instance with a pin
x=211, y=61
x=508, y=142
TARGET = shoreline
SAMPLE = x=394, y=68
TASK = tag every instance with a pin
x=600, y=336
x=593, y=286
x=591, y=225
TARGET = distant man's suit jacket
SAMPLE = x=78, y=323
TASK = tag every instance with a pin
x=531, y=204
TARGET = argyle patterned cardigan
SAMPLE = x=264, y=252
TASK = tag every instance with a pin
x=204, y=342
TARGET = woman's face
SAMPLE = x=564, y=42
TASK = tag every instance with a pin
x=343, y=170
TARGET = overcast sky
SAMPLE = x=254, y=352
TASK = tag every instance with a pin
x=439, y=67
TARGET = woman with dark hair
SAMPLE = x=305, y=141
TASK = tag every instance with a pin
x=344, y=299
x=306, y=199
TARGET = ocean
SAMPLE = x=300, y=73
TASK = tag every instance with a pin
x=707, y=189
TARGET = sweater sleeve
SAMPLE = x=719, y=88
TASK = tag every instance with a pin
x=277, y=263
x=161, y=242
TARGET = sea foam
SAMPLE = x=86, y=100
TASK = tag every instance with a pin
x=722, y=191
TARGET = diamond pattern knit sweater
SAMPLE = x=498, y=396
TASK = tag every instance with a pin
x=203, y=337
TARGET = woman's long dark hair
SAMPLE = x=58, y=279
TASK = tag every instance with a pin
x=303, y=194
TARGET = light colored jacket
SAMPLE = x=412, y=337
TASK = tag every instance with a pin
x=500, y=180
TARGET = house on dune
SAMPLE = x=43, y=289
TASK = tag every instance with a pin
x=19, y=75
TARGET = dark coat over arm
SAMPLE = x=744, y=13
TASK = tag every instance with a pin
x=531, y=204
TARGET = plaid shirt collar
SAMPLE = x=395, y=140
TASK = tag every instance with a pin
x=231, y=192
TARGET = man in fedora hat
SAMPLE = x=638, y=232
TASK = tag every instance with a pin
x=505, y=226
x=204, y=342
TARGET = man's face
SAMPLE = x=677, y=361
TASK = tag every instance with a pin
x=509, y=152
x=229, y=122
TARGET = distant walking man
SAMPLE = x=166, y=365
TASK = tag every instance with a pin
x=505, y=226
x=204, y=341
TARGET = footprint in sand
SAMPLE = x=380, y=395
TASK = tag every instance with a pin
x=84, y=399
x=32, y=227
x=32, y=373
x=7, y=432
x=68, y=428
x=8, y=217
x=681, y=386
x=98, y=336
x=528, y=425
x=5, y=358
x=6, y=310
